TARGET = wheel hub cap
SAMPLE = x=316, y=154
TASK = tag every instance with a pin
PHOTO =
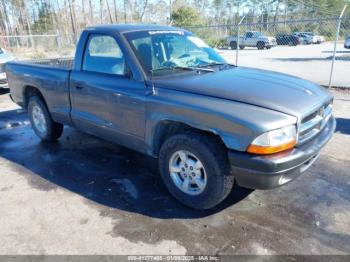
x=39, y=119
x=187, y=172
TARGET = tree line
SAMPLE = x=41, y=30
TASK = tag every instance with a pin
x=31, y=17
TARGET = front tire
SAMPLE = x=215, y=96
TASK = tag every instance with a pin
x=195, y=169
x=44, y=127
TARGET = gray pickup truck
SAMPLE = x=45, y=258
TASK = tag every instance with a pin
x=252, y=39
x=163, y=92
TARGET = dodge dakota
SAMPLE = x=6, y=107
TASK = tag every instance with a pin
x=164, y=92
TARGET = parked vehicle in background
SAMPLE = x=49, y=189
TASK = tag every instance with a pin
x=347, y=43
x=317, y=39
x=4, y=58
x=304, y=38
x=314, y=39
x=284, y=39
x=164, y=92
x=252, y=39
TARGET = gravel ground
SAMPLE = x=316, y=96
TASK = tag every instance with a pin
x=312, y=62
x=83, y=195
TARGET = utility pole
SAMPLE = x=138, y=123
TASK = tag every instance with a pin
x=335, y=45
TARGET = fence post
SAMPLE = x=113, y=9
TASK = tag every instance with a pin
x=335, y=45
x=237, y=47
x=58, y=39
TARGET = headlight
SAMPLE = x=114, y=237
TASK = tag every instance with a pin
x=274, y=141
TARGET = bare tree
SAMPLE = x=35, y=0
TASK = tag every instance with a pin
x=109, y=12
x=73, y=18
x=91, y=14
x=101, y=11
x=115, y=10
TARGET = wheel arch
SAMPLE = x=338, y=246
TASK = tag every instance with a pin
x=167, y=128
x=29, y=91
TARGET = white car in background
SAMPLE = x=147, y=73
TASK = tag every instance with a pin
x=347, y=43
x=305, y=39
x=4, y=58
x=316, y=39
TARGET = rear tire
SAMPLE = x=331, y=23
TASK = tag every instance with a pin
x=241, y=47
x=208, y=158
x=44, y=127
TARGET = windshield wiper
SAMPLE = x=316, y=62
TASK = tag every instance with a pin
x=182, y=68
x=215, y=64
x=221, y=65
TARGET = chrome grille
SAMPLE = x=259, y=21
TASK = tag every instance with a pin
x=313, y=123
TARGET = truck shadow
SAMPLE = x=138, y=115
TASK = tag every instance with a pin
x=102, y=173
x=343, y=126
x=4, y=91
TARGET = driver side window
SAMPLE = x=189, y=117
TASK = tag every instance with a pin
x=249, y=35
x=103, y=55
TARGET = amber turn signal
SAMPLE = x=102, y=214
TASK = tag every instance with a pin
x=266, y=150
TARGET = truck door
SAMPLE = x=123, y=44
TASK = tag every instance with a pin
x=105, y=99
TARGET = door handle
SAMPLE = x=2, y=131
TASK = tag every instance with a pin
x=79, y=87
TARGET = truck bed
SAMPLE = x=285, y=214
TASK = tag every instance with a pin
x=49, y=76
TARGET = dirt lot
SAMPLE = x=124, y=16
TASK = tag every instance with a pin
x=86, y=196
x=312, y=62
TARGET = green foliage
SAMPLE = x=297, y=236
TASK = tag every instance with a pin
x=186, y=16
x=44, y=23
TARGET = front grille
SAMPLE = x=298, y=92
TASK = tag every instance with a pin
x=314, y=122
x=2, y=68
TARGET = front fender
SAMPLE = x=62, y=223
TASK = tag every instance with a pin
x=236, y=123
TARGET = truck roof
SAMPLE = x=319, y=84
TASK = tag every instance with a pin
x=123, y=28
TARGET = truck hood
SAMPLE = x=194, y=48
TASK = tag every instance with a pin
x=272, y=90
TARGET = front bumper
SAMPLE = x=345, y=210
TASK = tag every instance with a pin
x=271, y=171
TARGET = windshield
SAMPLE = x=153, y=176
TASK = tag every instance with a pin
x=165, y=50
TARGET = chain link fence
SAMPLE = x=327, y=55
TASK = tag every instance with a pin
x=307, y=48
x=303, y=48
x=24, y=47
